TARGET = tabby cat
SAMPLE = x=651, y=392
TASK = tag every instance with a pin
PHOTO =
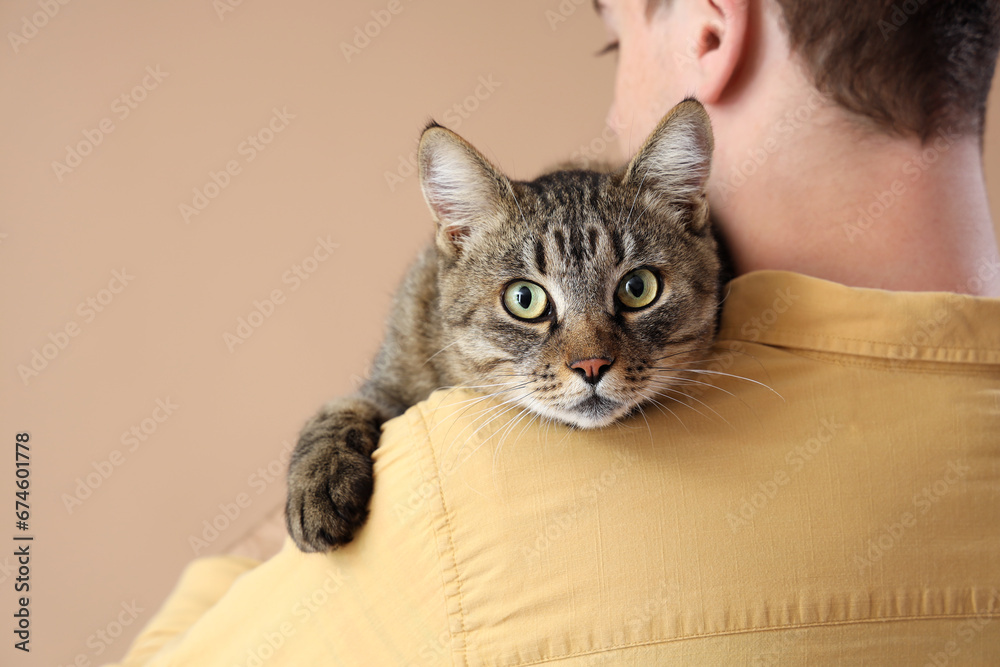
x=579, y=294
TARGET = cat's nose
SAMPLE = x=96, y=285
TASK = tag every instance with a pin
x=592, y=369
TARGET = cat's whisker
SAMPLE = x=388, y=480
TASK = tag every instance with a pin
x=681, y=393
x=729, y=290
x=682, y=377
x=489, y=437
x=454, y=342
x=517, y=203
x=697, y=352
x=684, y=351
x=508, y=431
x=623, y=425
x=642, y=413
x=535, y=417
x=647, y=399
x=680, y=366
x=516, y=387
x=708, y=360
x=513, y=386
x=568, y=430
x=660, y=405
x=512, y=402
x=473, y=399
x=473, y=402
x=451, y=423
x=683, y=380
x=695, y=386
x=686, y=381
x=678, y=363
x=637, y=194
x=475, y=386
x=654, y=403
x=480, y=413
x=451, y=443
x=737, y=377
x=643, y=212
x=671, y=375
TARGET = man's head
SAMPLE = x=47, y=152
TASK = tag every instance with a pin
x=848, y=132
x=909, y=67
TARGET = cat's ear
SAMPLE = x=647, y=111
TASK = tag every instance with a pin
x=462, y=189
x=672, y=166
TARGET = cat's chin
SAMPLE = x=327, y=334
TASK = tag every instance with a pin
x=592, y=412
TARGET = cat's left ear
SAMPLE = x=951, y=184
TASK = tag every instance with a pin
x=462, y=189
x=671, y=169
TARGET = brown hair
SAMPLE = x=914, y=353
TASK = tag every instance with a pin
x=911, y=66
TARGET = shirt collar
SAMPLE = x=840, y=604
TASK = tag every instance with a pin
x=793, y=310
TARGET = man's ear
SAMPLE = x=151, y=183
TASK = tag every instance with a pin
x=672, y=167
x=720, y=45
x=462, y=189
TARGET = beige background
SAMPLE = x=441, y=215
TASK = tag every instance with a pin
x=223, y=68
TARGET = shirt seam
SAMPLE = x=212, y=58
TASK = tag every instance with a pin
x=820, y=338
x=446, y=514
x=920, y=366
x=769, y=628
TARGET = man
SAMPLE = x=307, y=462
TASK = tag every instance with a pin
x=829, y=496
x=864, y=184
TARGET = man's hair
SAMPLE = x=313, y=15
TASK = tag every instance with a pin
x=911, y=66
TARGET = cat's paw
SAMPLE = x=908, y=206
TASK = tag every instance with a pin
x=330, y=480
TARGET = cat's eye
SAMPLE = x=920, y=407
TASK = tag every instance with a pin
x=525, y=300
x=638, y=289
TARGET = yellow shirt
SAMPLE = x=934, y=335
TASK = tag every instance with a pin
x=839, y=505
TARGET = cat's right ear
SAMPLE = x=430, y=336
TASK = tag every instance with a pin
x=672, y=167
x=462, y=189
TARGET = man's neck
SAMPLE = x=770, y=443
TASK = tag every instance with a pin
x=888, y=213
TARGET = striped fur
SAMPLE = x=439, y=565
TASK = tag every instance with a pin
x=574, y=233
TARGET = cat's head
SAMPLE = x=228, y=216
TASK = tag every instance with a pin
x=574, y=295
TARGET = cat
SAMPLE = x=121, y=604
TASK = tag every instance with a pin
x=580, y=295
